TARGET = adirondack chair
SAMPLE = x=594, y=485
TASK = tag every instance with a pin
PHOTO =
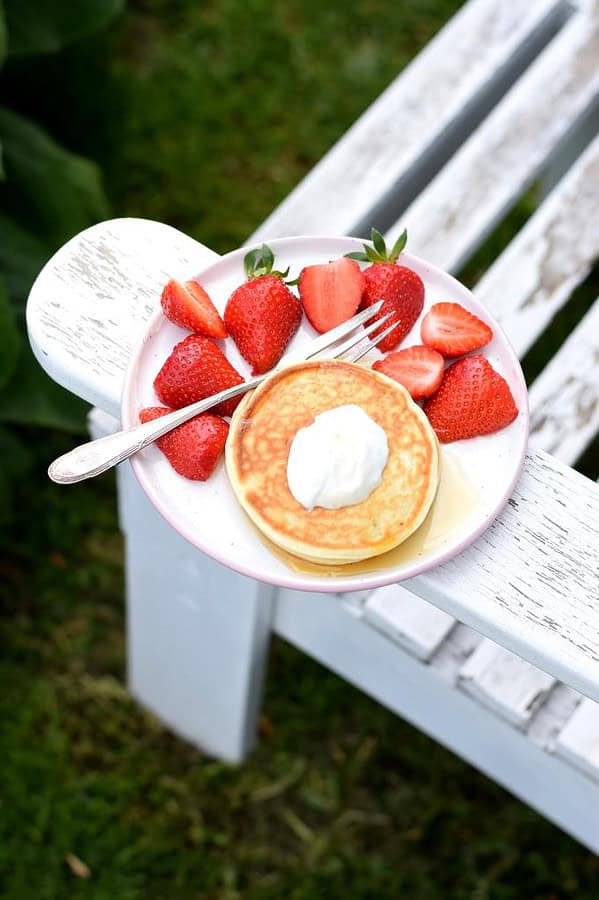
x=495, y=654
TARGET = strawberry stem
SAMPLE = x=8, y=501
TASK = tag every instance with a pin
x=378, y=251
x=260, y=261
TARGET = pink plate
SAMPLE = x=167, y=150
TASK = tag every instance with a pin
x=207, y=513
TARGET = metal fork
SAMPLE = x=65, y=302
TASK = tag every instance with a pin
x=94, y=457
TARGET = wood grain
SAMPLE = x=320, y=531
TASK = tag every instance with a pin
x=578, y=742
x=531, y=582
x=555, y=251
x=88, y=306
x=565, y=397
x=383, y=151
x=413, y=623
x=460, y=206
x=506, y=683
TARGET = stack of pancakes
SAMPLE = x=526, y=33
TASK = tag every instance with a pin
x=260, y=436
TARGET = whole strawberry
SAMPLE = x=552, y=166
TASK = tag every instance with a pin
x=194, y=448
x=195, y=369
x=401, y=289
x=262, y=315
x=473, y=400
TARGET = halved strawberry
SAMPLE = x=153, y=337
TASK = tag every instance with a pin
x=473, y=400
x=194, y=448
x=190, y=307
x=419, y=369
x=196, y=369
x=331, y=293
x=452, y=330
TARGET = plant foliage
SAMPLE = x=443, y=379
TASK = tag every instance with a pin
x=47, y=194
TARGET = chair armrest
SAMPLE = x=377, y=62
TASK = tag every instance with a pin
x=88, y=305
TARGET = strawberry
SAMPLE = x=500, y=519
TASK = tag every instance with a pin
x=190, y=307
x=194, y=448
x=195, y=369
x=331, y=293
x=401, y=289
x=419, y=369
x=452, y=330
x=262, y=315
x=473, y=399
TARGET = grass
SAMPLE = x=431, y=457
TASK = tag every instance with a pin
x=340, y=799
x=204, y=116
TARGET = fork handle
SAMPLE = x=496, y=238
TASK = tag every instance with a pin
x=94, y=457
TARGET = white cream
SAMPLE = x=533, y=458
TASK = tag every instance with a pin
x=338, y=460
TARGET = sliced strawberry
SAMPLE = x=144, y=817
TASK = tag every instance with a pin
x=452, y=330
x=194, y=448
x=473, y=400
x=190, y=307
x=419, y=369
x=195, y=369
x=331, y=293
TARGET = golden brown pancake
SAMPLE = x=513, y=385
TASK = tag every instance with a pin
x=257, y=449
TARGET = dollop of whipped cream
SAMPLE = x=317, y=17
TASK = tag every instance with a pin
x=338, y=460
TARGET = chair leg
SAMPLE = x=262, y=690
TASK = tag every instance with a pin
x=197, y=633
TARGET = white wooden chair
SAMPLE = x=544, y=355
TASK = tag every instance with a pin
x=505, y=93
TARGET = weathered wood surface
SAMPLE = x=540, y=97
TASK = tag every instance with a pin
x=578, y=742
x=553, y=715
x=565, y=397
x=531, y=582
x=413, y=623
x=526, y=286
x=89, y=304
x=427, y=108
x=536, y=274
x=506, y=683
x=460, y=206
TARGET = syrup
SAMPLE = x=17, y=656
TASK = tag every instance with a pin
x=455, y=500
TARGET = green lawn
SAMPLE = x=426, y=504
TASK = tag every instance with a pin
x=204, y=115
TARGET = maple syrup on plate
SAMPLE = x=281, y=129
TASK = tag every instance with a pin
x=455, y=500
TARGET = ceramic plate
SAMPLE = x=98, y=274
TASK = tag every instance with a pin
x=478, y=474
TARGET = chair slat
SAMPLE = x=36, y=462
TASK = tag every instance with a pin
x=460, y=206
x=410, y=621
x=552, y=254
x=512, y=687
x=552, y=716
x=477, y=48
x=565, y=397
x=578, y=742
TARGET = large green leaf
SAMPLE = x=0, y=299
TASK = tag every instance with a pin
x=17, y=462
x=45, y=26
x=58, y=192
x=2, y=34
x=9, y=338
x=22, y=255
x=32, y=398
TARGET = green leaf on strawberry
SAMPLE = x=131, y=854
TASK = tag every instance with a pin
x=378, y=251
x=260, y=262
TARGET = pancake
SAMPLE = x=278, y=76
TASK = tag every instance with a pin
x=257, y=449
